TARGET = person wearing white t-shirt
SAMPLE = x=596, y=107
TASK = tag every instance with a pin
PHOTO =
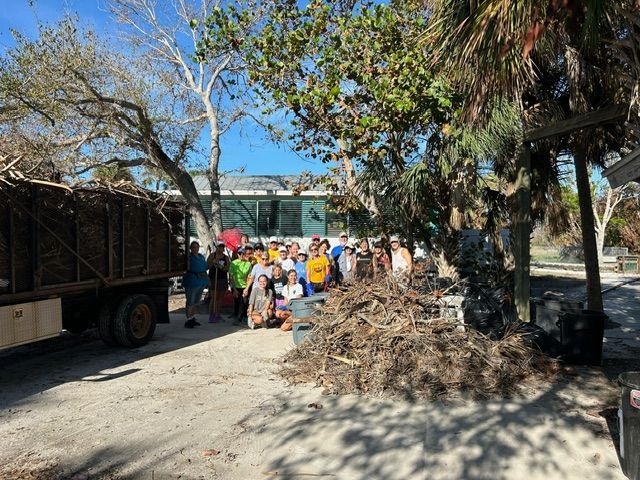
x=291, y=291
x=284, y=260
x=401, y=261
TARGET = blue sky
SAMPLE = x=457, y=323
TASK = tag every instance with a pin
x=244, y=146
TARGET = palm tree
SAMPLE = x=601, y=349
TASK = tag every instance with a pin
x=495, y=47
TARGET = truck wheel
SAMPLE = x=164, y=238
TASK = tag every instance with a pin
x=134, y=321
x=105, y=323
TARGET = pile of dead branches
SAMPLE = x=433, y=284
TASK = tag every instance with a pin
x=380, y=339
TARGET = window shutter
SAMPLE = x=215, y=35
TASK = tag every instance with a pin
x=239, y=214
x=313, y=217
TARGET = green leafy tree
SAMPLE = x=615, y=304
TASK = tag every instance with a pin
x=362, y=97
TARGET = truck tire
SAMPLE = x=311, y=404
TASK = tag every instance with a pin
x=105, y=323
x=134, y=321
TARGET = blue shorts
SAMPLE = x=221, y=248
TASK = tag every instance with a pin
x=194, y=295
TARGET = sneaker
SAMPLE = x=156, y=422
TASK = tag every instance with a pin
x=250, y=323
x=213, y=318
x=189, y=323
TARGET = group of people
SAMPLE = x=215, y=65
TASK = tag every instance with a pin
x=264, y=281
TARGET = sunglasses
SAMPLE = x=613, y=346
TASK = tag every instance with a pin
x=264, y=258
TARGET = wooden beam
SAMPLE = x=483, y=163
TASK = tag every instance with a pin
x=521, y=247
x=612, y=113
x=625, y=171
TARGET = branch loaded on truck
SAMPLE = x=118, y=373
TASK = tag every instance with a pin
x=78, y=258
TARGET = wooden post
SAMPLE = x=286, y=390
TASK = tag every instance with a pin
x=521, y=247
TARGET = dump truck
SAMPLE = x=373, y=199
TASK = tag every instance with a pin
x=93, y=256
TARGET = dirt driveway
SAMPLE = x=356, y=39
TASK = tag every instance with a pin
x=206, y=403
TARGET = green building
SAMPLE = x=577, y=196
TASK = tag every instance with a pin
x=265, y=205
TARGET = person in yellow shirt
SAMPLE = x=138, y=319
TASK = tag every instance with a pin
x=318, y=269
x=274, y=254
x=258, y=250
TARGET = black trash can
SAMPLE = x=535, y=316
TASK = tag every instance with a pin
x=629, y=423
x=581, y=336
x=549, y=309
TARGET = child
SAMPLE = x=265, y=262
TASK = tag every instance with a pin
x=290, y=292
x=278, y=281
x=260, y=309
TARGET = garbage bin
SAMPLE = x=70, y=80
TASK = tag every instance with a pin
x=548, y=310
x=629, y=424
x=581, y=336
x=306, y=306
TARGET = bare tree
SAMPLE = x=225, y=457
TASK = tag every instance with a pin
x=603, y=211
x=168, y=34
x=71, y=101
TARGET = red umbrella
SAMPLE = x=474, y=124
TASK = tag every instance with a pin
x=231, y=238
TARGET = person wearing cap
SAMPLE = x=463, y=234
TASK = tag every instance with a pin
x=238, y=274
x=288, y=245
x=381, y=261
x=347, y=263
x=318, y=269
x=335, y=255
x=315, y=239
x=301, y=270
x=284, y=261
x=401, y=261
x=273, y=249
x=218, y=263
x=364, y=261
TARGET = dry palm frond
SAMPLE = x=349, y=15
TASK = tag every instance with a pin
x=381, y=340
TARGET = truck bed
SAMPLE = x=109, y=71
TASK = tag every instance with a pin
x=56, y=240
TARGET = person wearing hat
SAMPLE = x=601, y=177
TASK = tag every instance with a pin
x=301, y=270
x=218, y=263
x=347, y=263
x=284, y=261
x=238, y=273
x=273, y=249
x=364, y=261
x=401, y=261
x=335, y=255
x=315, y=239
x=381, y=261
x=318, y=269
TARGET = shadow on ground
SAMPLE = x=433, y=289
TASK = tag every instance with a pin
x=34, y=368
x=554, y=433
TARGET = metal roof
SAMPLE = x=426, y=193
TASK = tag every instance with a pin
x=249, y=182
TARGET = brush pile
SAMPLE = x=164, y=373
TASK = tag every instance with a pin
x=381, y=339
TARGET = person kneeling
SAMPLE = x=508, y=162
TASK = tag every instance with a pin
x=260, y=310
x=290, y=292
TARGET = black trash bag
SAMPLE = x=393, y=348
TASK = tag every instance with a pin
x=484, y=308
x=532, y=335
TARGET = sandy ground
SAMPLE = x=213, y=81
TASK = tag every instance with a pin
x=207, y=403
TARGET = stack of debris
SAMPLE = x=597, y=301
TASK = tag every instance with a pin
x=381, y=339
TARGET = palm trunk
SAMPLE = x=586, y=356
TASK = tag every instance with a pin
x=592, y=269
